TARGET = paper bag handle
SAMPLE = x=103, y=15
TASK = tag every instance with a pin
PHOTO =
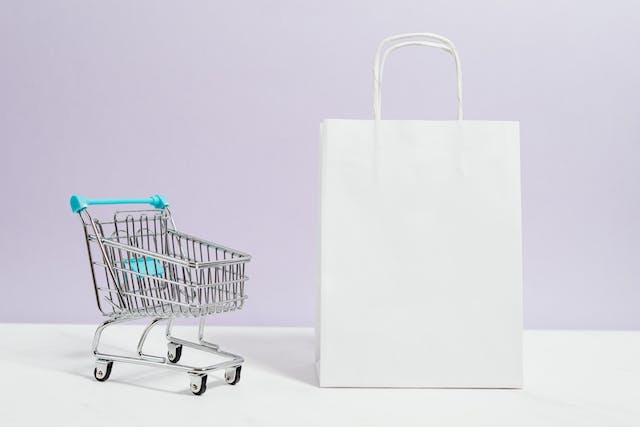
x=380, y=58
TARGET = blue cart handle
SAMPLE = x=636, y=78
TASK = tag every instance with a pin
x=79, y=203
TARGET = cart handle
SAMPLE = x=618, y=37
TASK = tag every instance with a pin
x=79, y=203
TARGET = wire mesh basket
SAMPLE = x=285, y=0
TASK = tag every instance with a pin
x=150, y=269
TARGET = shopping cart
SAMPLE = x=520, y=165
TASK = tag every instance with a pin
x=142, y=267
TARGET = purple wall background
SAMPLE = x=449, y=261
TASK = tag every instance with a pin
x=222, y=101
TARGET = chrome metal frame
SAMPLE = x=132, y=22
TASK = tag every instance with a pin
x=153, y=271
x=151, y=360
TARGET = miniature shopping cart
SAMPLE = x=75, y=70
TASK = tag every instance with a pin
x=142, y=267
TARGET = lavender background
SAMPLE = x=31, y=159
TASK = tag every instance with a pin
x=217, y=105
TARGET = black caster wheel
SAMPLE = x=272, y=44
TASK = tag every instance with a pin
x=102, y=370
x=174, y=352
x=232, y=375
x=198, y=384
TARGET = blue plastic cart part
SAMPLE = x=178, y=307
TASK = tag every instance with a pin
x=144, y=265
x=79, y=203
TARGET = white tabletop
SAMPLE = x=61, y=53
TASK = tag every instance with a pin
x=571, y=379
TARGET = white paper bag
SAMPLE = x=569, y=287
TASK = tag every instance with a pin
x=420, y=249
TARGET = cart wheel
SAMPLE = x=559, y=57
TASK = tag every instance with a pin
x=174, y=352
x=102, y=370
x=232, y=375
x=198, y=384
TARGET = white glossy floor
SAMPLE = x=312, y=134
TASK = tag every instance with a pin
x=571, y=379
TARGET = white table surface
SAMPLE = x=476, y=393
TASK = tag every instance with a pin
x=571, y=379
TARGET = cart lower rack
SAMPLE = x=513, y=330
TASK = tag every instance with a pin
x=142, y=267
